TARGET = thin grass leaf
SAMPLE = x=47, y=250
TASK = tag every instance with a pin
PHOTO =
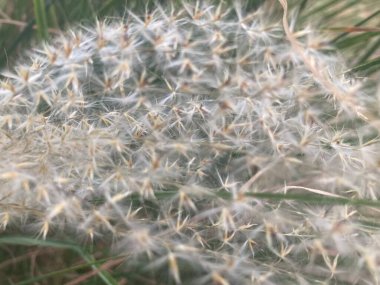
x=53, y=20
x=366, y=66
x=352, y=29
x=340, y=10
x=302, y=6
x=370, y=51
x=319, y=9
x=356, y=25
x=358, y=39
x=317, y=199
x=107, y=6
x=65, y=271
x=41, y=19
x=25, y=241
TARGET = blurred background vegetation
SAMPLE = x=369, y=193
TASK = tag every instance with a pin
x=352, y=26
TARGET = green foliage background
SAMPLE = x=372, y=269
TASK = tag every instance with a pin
x=352, y=26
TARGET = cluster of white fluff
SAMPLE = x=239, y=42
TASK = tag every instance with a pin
x=160, y=132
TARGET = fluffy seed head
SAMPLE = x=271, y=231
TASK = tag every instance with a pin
x=157, y=131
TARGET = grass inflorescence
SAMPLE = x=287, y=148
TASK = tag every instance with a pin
x=201, y=143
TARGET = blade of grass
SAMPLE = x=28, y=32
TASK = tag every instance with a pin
x=53, y=18
x=371, y=50
x=307, y=198
x=107, y=265
x=356, y=25
x=357, y=39
x=366, y=66
x=316, y=199
x=66, y=270
x=16, y=240
x=318, y=9
x=24, y=36
x=107, y=6
x=352, y=29
x=302, y=5
x=41, y=19
x=340, y=10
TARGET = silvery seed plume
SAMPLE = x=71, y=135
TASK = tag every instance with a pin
x=177, y=136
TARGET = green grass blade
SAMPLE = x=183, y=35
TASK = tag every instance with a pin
x=64, y=271
x=358, y=39
x=319, y=9
x=41, y=18
x=371, y=50
x=25, y=241
x=356, y=25
x=367, y=65
x=53, y=20
x=340, y=10
x=298, y=197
